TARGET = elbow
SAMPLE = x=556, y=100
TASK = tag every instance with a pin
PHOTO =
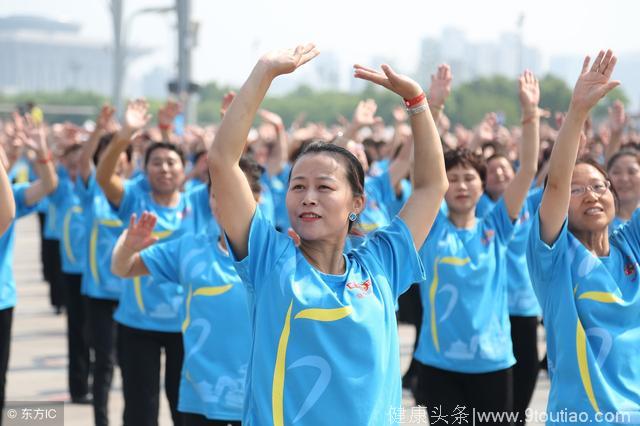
x=117, y=270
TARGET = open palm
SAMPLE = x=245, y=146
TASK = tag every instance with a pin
x=286, y=61
x=137, y=114
x=529, y=90
x=389, y=79
x=593, y=83
x=140, y=235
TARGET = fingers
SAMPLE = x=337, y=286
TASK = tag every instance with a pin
x=372, y=76
x=585, y=64
x=132, y=220
x=596, y=63
x=609, y=65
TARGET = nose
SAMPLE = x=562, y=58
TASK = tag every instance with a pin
x=309, y=198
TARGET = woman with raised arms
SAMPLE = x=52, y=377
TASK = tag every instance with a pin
x=325, y=342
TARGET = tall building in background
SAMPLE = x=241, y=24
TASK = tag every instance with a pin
x=469, y=60
x=42, y=54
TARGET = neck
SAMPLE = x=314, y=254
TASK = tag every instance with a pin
x=325, y=256
x=463, y=220
x=596, y=242
x=494, y=196
x=626, y=209
x=167, y=200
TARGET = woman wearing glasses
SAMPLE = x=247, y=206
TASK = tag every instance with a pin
x=586, y=281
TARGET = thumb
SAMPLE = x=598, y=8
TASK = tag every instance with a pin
x=609, y=87
x=390, y=73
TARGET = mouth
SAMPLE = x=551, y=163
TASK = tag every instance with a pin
x=593, y=211
x=309, y=217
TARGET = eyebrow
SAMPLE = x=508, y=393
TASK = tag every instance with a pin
x=323, y=177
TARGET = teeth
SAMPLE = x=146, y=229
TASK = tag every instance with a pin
x=594, y=210
x=309, y=215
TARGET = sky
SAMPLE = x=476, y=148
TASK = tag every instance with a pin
x=233, y=34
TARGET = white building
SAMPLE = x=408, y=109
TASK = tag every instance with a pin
x=42, y=54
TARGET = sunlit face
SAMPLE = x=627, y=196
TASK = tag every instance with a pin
x=465, y=189
x=590, y=212
x=499, y=176
x=165, y=171
x=625, y=178
x=319, y=198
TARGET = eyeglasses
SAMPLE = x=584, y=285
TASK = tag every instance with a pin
x=597, y=188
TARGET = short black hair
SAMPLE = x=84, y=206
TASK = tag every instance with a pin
x=163, y=145
x=466, y=158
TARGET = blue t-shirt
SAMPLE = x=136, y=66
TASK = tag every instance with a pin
x=520, y=295
x=278, y=185
x=150, y=303
x=375, y=214
x=394, y=202
x=616, y=223
x=465, y=325
x=216, y=331
x=54, y=218
x=7, y=240
x=70, y=223
x=103, y=226
x=591, y=310
x=325, y=347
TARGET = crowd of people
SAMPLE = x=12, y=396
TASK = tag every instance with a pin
x=271, y=264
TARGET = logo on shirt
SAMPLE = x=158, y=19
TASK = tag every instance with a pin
x=184, y=213
x=489, y=234
x=629, y=269
x=364, y=288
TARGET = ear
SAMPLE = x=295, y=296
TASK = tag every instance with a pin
x=359, y=203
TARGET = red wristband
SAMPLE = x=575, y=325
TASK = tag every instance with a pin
x=410, y=103
x=45, y=160
x=164, y=126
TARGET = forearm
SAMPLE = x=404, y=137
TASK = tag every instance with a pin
x=278, y=156
x=530, y=144
x=106, y=176
x=613, y=146
x=231, y=137
x=88, y=150
x=565, y=151
x=427, y=150
x=8, y=209
x=125, y=262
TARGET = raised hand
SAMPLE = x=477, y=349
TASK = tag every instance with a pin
x=529, y=92
x=36, y=141
x=168, y=113
x=104, y=119
x=440, y=86
x=617, y=117
x=286, y=61
x=137, y=115
x=140, y=235
x=271, y=118
x=389, y=79
x=593, y=83
x=226, y=101
x=365, y=113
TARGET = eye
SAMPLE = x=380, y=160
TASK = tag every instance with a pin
x=325, y=187
x=297, y=187
x=599, y=187
x=576, y=190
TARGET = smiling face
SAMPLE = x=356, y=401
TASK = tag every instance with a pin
x=590, y=212
x=625, y=178
x=320, y=198
x=165, y=171
x=465, y=189
x=499, y=176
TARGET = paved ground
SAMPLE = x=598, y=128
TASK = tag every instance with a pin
x=37, y=370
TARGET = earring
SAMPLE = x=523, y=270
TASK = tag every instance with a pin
x=353, y=217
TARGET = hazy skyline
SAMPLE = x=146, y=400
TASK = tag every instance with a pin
x=232, y=35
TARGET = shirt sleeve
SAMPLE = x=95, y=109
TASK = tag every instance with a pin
x=498, y=219
x=163, y=259
x=393, y=248
x=85, y=191
x=544, y=260
x=631, y=229
x=19, y=195
x=265, y=247
x=128, y=202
